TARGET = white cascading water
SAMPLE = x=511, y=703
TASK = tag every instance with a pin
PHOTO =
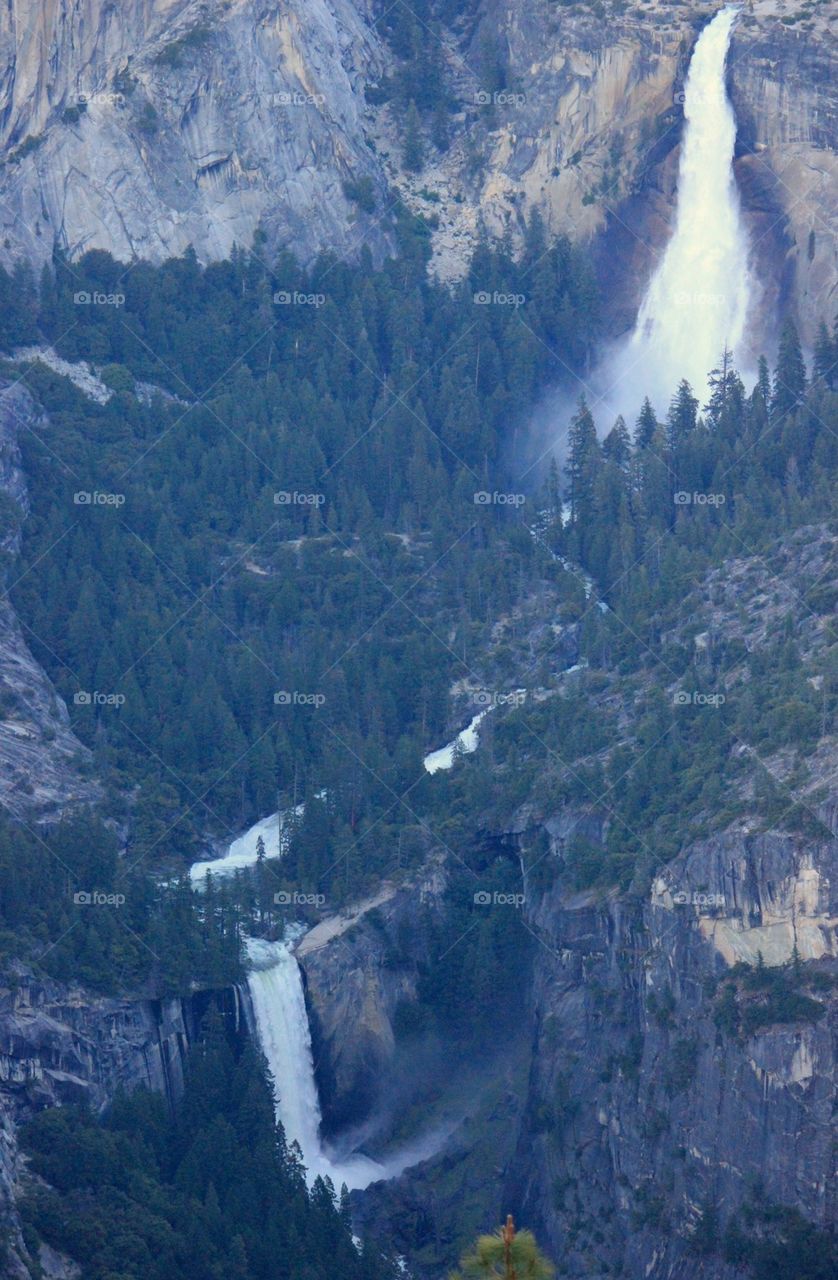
x=697, y=301
x=276, y=991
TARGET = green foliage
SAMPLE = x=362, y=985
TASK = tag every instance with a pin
x=217, y=1193
x=479, y=954
x=413, y=150
x=201, y=597
x=70, y=906
x=173, y=53
x=362, y=192
x=492, y=1257
x=753, y=998
x=681, y=1069
x=774, y=1242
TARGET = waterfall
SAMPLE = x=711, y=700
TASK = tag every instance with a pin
x=276, y=991
x=697, y=300
x=242, y=853
x=465, y=742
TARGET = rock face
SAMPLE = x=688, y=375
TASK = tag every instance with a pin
x=143, y=128
x=658, y=1112
x=783, y=84
x=60, y=1045
x=354, y=978
x=43, y=766
x=680, y=1036
x=639, y=1109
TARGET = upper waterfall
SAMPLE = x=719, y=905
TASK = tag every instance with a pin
x=698, y=298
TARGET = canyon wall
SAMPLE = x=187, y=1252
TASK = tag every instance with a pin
x=636, y=1102
x=667, y=1062
x=63, y=1045
x=44, y=768
x=158, y=124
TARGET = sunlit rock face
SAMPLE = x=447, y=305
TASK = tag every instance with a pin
x=784, y=86
x=145, y=127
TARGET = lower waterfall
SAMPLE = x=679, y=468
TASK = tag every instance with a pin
x=276, y=990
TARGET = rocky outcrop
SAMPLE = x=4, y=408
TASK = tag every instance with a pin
x=62, y=1045
x=679, y=1036
x=357, y=976
x=783, y=75
x=658, y=1086
x=44, y=769
x=587, y=112
x=655, y=1109
x=143, y=128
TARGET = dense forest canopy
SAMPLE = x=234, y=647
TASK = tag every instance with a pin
x=284, y=570
x=298, y=568
x=219, y=1193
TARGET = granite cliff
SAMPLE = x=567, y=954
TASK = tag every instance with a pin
x=153, y=126
x=44, y=769
x=60, y=1045
x=669, y=1062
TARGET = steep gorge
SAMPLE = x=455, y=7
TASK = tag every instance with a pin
x=640, y=1093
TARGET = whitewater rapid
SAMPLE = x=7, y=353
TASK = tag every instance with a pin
x=698, y=299
x=279, y=1007
x=466, y=741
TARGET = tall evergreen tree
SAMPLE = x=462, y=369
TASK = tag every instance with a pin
x=413, y=151
x=617, y=444
x=646, y=426
x=683, y=415
x=825, y=358
x=790, y=373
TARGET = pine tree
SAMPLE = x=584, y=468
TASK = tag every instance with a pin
x=647, y=425
x=825, y=357
x=582, y=459
x=790, y=373
x=762, y=390
x=440, y=125
x=413, y=151
x=617, y=444
x=583, y=467
x=682, y=416
x=727, y=394
x=506, y=1255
